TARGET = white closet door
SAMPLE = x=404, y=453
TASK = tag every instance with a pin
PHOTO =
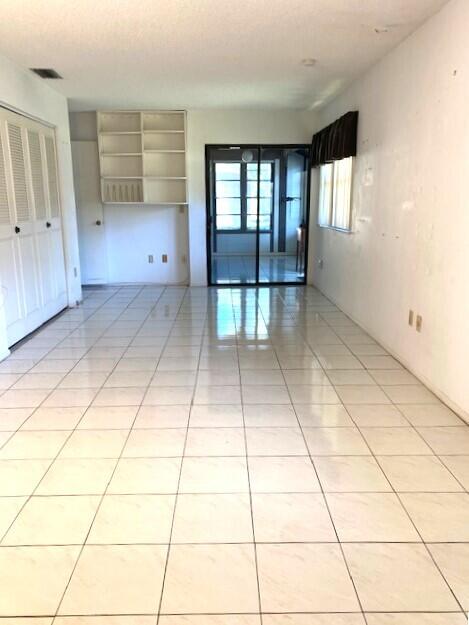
x=55, y=225
x=26, y=257
x=10, y=284
x=41, y=223
x=32, y=267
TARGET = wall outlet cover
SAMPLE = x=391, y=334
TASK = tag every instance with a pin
x=418, y=323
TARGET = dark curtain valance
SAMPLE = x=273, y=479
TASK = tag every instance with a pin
x=336, y=141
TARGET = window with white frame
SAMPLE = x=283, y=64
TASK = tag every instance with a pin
x=335, y=195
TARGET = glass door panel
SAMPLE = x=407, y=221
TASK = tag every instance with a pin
x=232, y=227
x=282, y=245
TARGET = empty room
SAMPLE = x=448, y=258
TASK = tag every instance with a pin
x=234, y=312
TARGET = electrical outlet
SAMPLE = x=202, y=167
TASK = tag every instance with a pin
x=164, y=258
x=418, y=323
x=320, y=263
x=75, y=272
x=411, y=317
x=150, y=258
x=184, y=259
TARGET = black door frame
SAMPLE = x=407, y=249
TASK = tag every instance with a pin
x=208, y=191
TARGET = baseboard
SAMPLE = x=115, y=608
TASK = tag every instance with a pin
x=147, y=283
x=444, y=398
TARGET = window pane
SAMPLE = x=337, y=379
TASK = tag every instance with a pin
x=265, y=189
x=227, y=171
x=227, y=189
x=228, y=206
x=264, y=222
x=266, y=171
x=228, y=222
x=265, y=206
x=251, y=222
x=342, y=194
x=325, y=194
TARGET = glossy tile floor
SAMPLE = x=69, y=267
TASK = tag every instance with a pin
x=230, y=269
x=225, y=457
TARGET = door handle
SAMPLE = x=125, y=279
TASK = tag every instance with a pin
x=17, y=229
x=48, y=224
x=98, y=222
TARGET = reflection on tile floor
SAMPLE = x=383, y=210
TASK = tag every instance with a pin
x=225, y=457
x=232, y=269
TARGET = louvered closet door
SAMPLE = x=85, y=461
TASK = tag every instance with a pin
x=31, y=245
x=10, y=276
x=42, y=224
x=24, y=230
x=55, y=232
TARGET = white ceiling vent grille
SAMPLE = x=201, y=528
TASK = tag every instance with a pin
x=52, y=177
x=19, y=174
x=4, y=208
x=35, y=157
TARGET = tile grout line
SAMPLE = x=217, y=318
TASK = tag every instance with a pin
x=168, y=552
x=102, y=495
x=256, y=557
x=328, y=509
x=423, y=543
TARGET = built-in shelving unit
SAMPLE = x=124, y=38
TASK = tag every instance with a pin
x=142, y=157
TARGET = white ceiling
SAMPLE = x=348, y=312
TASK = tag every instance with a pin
x=204, y=53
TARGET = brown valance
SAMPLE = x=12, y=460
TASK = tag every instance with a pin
x=336, y=141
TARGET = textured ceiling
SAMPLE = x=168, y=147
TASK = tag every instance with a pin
x=204, y=53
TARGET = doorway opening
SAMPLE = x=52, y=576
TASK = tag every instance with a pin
x=257, y=213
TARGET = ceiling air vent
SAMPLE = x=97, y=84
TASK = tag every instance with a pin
x=46, y=73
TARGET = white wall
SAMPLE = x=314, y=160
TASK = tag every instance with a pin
x=410, y=249
x=230, y=127
x=132, y=233
x=25, y=93
x=132, y=236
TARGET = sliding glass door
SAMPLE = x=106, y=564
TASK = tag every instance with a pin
x=257, y=214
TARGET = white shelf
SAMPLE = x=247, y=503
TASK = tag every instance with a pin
x=163, y=151
x=163, y=132
x=121, y=153
x=142, y=157
x=115, y=132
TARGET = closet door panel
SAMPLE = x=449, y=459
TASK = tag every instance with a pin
x=10, y=276
x=25, y=231
x=29, y=269
x=57, y=254
x=18, y=169
x=6, y=220
x=52, y=179
x=37, y=176
x=55, y=241
x=32, y=266
x=10, y=290
x=45, y=268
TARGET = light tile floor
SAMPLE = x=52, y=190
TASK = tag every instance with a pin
x=225, y=457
